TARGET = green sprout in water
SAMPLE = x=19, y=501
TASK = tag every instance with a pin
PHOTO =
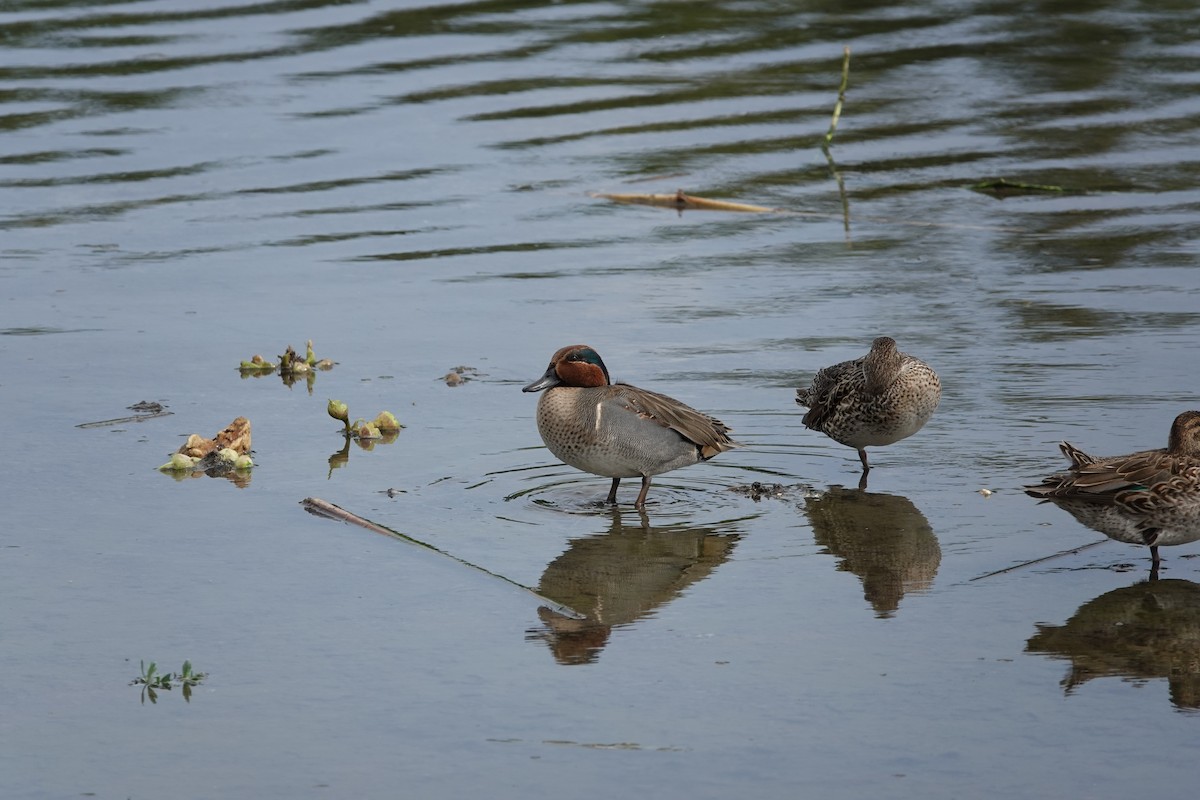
x=257, y=364
x=151, y=680
x=338, y=410
x=187, y=679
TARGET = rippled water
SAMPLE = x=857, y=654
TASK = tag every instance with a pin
x=413, y=187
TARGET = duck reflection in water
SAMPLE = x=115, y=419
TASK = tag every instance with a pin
x=1150, y=630
x=882, y=538
x=619, y=577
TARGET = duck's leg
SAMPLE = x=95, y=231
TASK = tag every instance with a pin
x=641, y=501
x=612, y=493
x=1155, y=561
x=862, y=456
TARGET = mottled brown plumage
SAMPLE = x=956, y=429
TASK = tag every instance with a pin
x=875, y=400
x=1092, y=475
x=1151, y=497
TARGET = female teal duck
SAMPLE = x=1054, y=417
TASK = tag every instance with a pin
x=1151, y=497
x=618, y=430
x=872, y=401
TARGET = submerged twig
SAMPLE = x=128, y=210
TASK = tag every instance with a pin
x=1072, y=551
x=122, y=420
x=837, y=176
x=321, y=508
x=1003, y=187
x=703, y=204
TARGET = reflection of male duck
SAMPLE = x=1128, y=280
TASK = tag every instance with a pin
x=882, y=538
x=1148, y=630
x=621, y=576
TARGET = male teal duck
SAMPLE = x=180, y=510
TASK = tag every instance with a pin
x=1151, y=497
x=872, y=401
x=618, y=430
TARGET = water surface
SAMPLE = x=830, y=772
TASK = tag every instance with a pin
x=409, y=186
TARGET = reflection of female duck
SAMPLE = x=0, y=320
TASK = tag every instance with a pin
x=1150, y=497
x=882, y=538
x=620, y=577
x=1148, y=630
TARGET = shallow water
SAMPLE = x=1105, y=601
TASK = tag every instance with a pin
x=408, y=186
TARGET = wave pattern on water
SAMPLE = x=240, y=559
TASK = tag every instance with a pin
x=730, y=99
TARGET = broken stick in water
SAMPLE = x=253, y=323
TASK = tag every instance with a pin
x=684, y=202
x=1072, y=551
x=321, y=508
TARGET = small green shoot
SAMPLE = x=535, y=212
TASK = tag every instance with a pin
x=338, y=410
x=151, y=677
x=151, y=680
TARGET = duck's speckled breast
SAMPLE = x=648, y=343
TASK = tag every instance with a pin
x=862, y=420
x=590, y=429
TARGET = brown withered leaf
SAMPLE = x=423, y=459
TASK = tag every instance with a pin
x=197, y=446
x=236, y=436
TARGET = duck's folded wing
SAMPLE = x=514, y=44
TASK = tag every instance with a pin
x=829, y=387
x=1178, y=491
x=1138, y=470
x=708, y=433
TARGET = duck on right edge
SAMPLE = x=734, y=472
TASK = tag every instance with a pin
x=1151, y=497
x=872, y=401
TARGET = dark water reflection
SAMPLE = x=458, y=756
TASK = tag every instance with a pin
x=882, y=538
x=339, y=458
x=1148, y=631
x=751, y=78
x=622, y=576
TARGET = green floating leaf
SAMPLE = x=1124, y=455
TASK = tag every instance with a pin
x=339, y=411
x=257, y=364
x=386, y=422
x=179, y=462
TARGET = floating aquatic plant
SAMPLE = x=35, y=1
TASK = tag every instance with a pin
x=152, y=681
x=227, y=454
x=290, y=365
